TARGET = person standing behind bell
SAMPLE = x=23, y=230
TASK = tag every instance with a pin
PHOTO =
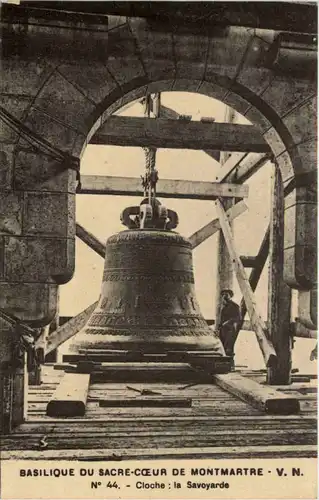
x=228, y=323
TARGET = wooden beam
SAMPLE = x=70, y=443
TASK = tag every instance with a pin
x=225, y=273
x=170, y=114
x=257, y=322
x=256, y=271
x=262, y=397
x=214, y=226
x=20, y=394
x=228, y=167
x=244, y=164
x=65, y=332
x=166, y=188
x=162, y=133
x=90, y=240
x=146, y=402
x=248, y=260
x=177, y=453
x=69, y=399
x=247, y=167
x=279, y=293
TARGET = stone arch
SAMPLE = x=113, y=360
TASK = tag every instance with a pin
x=65, y=99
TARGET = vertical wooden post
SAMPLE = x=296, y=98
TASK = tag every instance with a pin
x=52, y=356
x=225, y=275
x=6, y=376
x=279, y=294
x=20, y=394
x=12, y=380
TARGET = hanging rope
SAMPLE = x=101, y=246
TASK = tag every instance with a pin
x=149, y=180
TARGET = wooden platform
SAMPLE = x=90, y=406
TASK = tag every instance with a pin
x=215, y=425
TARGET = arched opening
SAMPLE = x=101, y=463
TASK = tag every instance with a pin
x=102, y=218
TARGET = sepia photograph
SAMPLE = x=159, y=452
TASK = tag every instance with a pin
x=158, y=250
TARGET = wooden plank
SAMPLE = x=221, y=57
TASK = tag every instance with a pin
x=162, y=133
x=300, y=387
x=248, y=260
x=284, y=451
x=248, y=166
x=259, y=396
x=244, y=164
x=93, y=427
x=214, y=226
x=165, y=188
x=92, y=359
x=6, y=387
x=166, y=433
x=70, y=397
x=170, y=114
x=66, y=331
x=164, y=439
x=94, y=411
x=146, y=402
x=279, y=293
x=20, y=394
x=257, y=419
x=229, y=166
x=225, y=273
x=256, y=320
x=256, y=271
x=90, y=240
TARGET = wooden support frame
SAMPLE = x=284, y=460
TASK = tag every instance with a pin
x=66, y=331
x=248, y=260
x=69, y=399
x=166, y=188
x=170, y=114
x=225, y=274
x=257, y=322
x=162, y=133
x=229, y=166
x=256, y=271
x=268, y=400
x=279, y=293
x=244, y=164
x=90, y=240
x=214, y=226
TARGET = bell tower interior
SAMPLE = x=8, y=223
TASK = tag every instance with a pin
x=158, y=226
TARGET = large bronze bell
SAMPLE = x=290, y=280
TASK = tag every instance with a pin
x=147, y=302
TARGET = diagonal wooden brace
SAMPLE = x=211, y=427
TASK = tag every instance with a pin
x=69, y=329
x=90, y=240
x=256, y=320
x=214, y=226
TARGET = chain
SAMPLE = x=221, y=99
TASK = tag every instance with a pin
x=149, y=180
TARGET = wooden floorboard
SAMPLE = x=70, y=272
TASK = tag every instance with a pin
x=285, y=451
x=217, y=425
